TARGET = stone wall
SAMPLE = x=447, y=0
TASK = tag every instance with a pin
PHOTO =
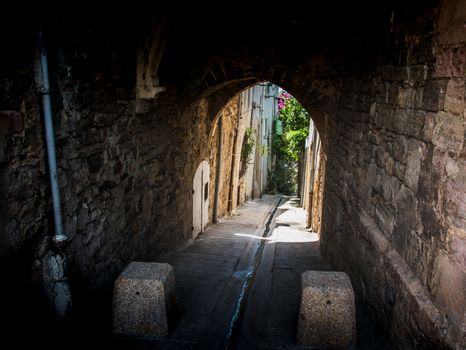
x=229, y=115
x=395, y=188
x=234, y=122
x=239, y=179
x=121, y=179
x=389, y=109
x=25, y=219
x=316, y=213
x=313, y=177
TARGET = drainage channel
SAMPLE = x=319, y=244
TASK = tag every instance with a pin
x=235, y=321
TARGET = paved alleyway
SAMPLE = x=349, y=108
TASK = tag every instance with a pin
x=270, y=320
x=210, y=273
x=290, y=250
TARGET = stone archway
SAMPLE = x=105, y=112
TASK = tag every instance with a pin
x=385, y=83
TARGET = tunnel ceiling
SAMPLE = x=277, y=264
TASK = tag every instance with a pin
x=287, y=32
x=197, y=32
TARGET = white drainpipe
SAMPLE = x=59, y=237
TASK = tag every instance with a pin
x=43, y=86
x=55, y=280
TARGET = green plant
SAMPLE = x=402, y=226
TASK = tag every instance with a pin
x=296, y=127
x=247, y=150
x=264, y=150
x=288, y=144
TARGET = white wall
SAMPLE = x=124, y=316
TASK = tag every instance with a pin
x=258, y=111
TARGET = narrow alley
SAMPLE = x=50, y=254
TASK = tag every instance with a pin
x=211, y=271
x=153, y=151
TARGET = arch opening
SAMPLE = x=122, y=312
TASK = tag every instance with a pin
x=264, y=141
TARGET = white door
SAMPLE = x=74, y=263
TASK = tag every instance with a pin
x=201, y=198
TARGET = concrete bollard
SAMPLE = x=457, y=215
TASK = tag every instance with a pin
x=144, y=300
x=327, y=314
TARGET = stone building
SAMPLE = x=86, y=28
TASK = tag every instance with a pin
x=246, y=121
x=312, y=189
x=260, y=112
x=135, y=93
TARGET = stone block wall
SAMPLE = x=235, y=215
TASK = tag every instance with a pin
x=316, y=213
x=395, y=186
x=121, y=179
x=229, y=115
x=391, y=120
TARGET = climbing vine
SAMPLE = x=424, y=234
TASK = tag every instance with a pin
x=247, y=150
x=290, y=132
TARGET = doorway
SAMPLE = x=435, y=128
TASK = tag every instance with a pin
x=201, y=198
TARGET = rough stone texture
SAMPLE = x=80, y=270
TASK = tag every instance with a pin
x=239, y=178
x=317, y=198
x=56, y=284
x=229, y=123
x=327, y=314
x=395, y=184
x=144, y=300
x=388, y=103
x=313, y=185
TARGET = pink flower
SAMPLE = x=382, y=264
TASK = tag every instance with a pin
x=282, y=98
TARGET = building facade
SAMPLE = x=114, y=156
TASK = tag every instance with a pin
x=241, y=142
